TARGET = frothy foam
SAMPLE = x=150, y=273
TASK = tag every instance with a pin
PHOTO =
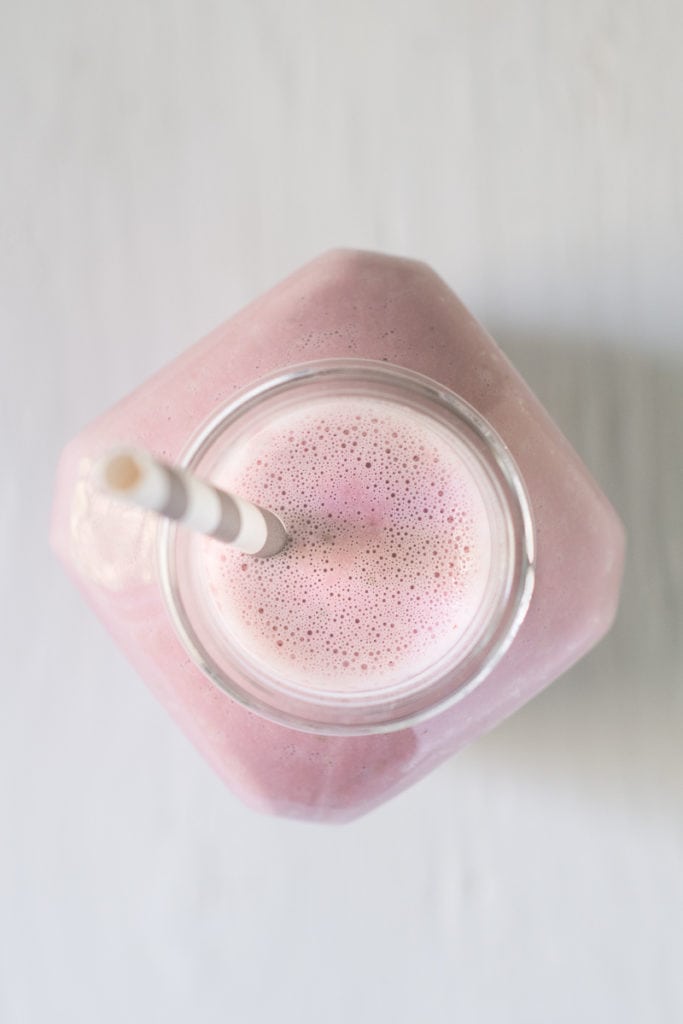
x=389, y=554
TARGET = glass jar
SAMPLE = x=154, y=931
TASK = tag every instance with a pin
x=359, y=324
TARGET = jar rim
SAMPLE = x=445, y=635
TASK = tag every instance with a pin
x=380, y=711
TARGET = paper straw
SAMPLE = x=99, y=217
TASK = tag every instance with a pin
x=137, y=478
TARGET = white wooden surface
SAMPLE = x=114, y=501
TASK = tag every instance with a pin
x=162, y=163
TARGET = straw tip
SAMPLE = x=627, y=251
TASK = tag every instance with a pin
x=119, y=471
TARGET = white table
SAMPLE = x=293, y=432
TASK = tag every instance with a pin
x=161, y=164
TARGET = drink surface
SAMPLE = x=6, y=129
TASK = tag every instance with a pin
x=390, y=547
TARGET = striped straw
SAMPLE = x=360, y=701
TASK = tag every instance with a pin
x=138, y=478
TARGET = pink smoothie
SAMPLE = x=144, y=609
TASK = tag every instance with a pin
x=362, y=305
x=389, y=554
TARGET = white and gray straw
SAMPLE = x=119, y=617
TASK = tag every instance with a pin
x=137, y=478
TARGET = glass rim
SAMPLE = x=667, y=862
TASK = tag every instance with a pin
x=360, y=712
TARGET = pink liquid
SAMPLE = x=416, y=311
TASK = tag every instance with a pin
x=389, y=554
x=342, y=304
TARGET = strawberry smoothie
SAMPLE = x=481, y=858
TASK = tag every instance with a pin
x=287, y=621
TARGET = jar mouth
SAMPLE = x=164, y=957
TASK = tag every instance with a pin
x=458, y=667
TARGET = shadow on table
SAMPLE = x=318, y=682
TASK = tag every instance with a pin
x=611, y=729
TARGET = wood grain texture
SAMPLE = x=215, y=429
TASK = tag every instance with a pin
x=163, y=163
